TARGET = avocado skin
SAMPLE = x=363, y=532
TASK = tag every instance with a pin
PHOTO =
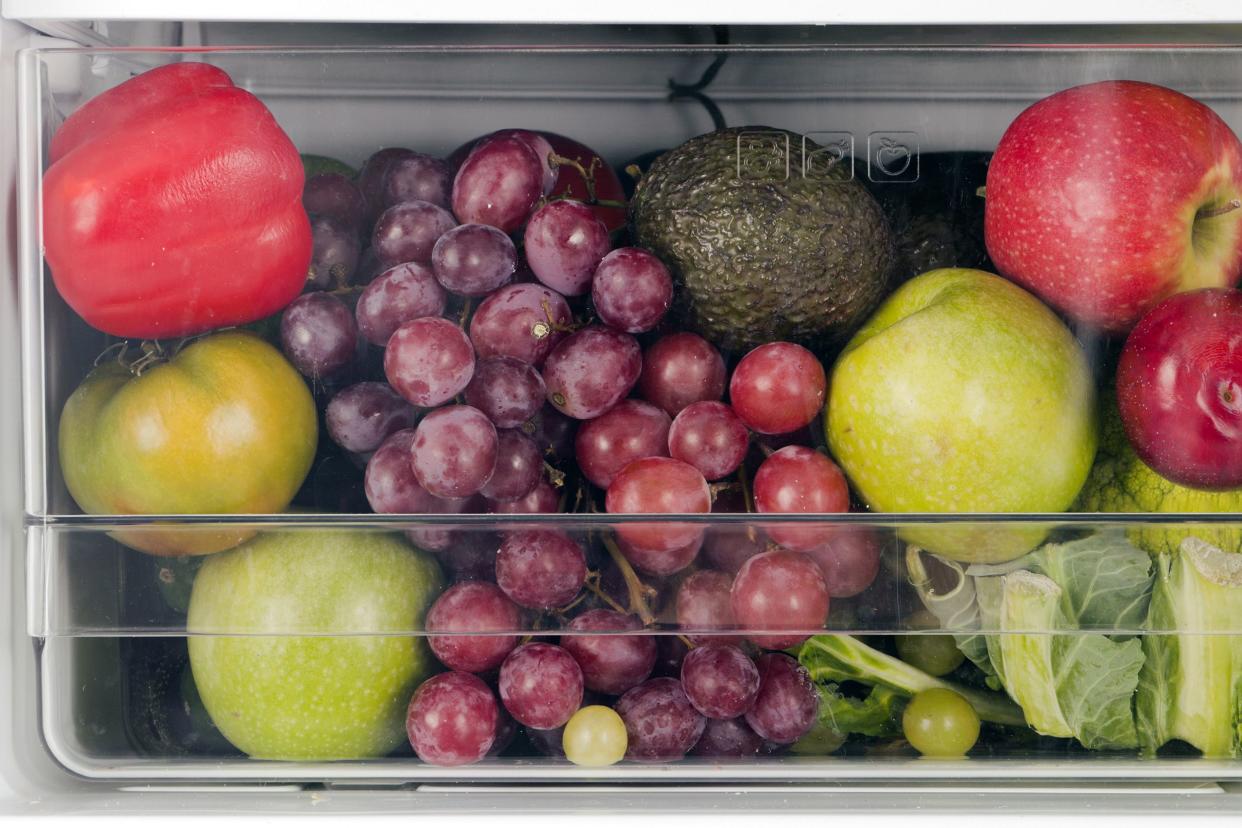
x=937, y=220
x=802, y=258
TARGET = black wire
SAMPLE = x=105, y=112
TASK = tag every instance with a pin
x=694, y=91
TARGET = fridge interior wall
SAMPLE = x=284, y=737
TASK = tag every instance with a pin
x=347, y=102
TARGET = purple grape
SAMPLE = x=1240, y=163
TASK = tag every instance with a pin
x=662, y=724
x=318, y=334
x=506, y=732
x=368, y=266
x=728, y=738
x=468, y=555
x=553, y=432
x=541, y=500
x=362, y=416
x=508, y=391
x=399, y=294
x=680, y=369
x=407, y=232
x=720, y=680
x=549, y=742
x=541, y=685
x=519, y=468
x=523, y=321
x=564, y=243
x=417, y=177
x=371, y=178
x=591, y=371
x=631, y=290
x=540, y=568
x=672, y=652
x=454, y=451
x=334, y=253
x=630, y=430
x=728, y=547
x=704, y=602
x=616, y=659
x=849, y=561
x=787, y=704
x=392, y=488
x=473, y=260
x=710, y=437
x=452, y=719
x=498, y=184
x=428, y=361
x=335, y=196
x=469, y=608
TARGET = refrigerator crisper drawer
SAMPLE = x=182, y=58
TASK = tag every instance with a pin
x=1072, y=615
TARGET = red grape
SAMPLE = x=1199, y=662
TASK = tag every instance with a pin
x=658, y=485
x=467, y=555
x=506, y=732
x=408, y=231
x=591, y=371
x=362, y=416
x=728, y=547
x=787, y=704
x=428, y=361
x=849, y=561
x=631, y=290
x=720, y=680
x=498, y=184
x=473, y=260
x=680, y=369
x=671, y=651
x=523, y=321
x=710, y=437
x=318, y=335
x=553, y=432
x=564, y=243
x=399, y=294
x=799, y=480
x=473, y=607
x=452, y=719
x=417, y=177
x=630, y=430
x=454, y=451
x=778, y=387
x=334, y=195
x=334, y=253
x=541, y=685
x=392, y=488
x=507, y=390
x=540, y=568
x=778, y=591
x=519, y=467
x=615, y=660
x=661, y=723
x=541, y=148
x=728, y=739
x=660, y=562
x=704, y=602
x=541, y=500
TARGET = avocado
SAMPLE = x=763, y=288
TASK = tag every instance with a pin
x=938, y=219
x=759, y=248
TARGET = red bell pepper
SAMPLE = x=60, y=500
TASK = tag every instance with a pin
x=173, y=205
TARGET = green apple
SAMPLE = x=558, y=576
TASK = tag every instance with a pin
x=301, y=645
x=963, y=393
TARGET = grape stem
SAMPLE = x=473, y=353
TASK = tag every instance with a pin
x=587, y=173
x=635, y=587
x=749, y=503
x=555, y=476
x=592, y=584
x=464, y=316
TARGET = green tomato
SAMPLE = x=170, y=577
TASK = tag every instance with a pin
x=939, y=722
x=303, y=643
x=225, y=426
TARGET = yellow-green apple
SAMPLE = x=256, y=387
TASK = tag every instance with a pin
x=964, y=393
x=1104, y=199
x=303, y=643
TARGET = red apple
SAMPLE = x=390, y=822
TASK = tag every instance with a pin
x=1106, y=198
x=1179, y=388
x=569, y=182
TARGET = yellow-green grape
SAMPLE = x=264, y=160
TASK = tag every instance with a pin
x=936, y=655
x=595, y=737
x=939, y=722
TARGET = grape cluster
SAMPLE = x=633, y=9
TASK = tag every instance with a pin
x=524, y=365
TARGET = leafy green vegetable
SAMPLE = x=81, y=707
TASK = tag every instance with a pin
x=1190, y=687
x=841, y=716
x=833, y=659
